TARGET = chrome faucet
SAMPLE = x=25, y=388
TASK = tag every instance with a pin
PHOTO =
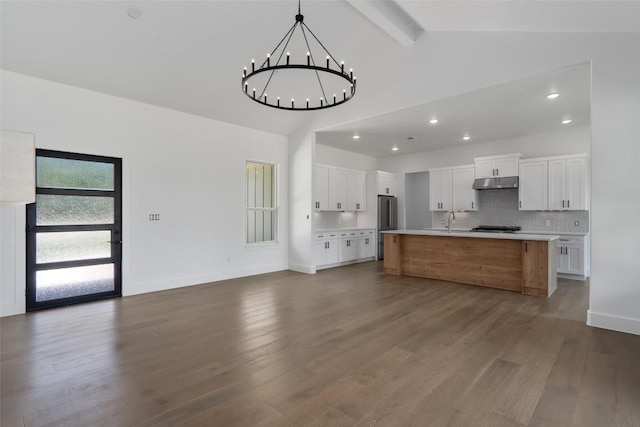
x=450, y=217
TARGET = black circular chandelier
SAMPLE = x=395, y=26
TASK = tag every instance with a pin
x=335, y=85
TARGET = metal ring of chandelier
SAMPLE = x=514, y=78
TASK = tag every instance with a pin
x=324, y=103
x=311, y=66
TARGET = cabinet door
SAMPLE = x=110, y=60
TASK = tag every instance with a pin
x=332, y=251
x=485, y=168
x=557, y=184
x=321, y=188
x=577, y=184
x=446, y=190
x=337, y=190
x=387, y=184
x=464, y=197
x=532, y=189
x=391, y=254
x=535, y=265
x=357, y=191
x=574, y=259
x=507, y=166
x=320, y=252
x=348, y=249
x=435, y=190
x=561, y=259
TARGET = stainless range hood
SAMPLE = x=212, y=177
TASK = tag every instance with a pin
x=495, y=183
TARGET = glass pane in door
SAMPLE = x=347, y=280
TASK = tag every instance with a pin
x=53, y=172
x=70, y=246
x=75, y=281
x=74, y=210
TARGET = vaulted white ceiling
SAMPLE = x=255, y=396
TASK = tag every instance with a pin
x=188, y=56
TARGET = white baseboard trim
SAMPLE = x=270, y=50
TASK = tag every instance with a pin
x=303, y=268
x=12, y=309
x=614, y=323
x=182, y=282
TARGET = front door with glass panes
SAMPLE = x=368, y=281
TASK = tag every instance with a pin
x=74, y=230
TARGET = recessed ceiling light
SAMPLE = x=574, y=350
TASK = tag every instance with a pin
x=553, y=95
x=134, y=13
x=566, y=121
x=433, y=121
x=356, y=136
x=395, y=148
x=466, y=137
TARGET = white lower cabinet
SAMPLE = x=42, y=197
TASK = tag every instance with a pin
x=572, y=256
x=325, y=248
x=348, y=246
x=366, y=244
x=337, y=247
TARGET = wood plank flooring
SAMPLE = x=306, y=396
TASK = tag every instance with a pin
x=348, y=346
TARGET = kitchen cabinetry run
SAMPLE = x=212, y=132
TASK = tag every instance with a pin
x=572, y=257
x=338, y=247
x=451, y=189
x=387, y=183
x=497, y=166
x=339, y=189
x=553, y=183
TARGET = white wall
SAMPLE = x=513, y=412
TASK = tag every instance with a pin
x=344, y=159
x=188, y=169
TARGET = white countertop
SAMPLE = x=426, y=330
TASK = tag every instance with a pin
x=326, y=230
x=477, y=235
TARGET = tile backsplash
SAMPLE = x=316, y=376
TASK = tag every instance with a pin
x=324, y=220
x=500, y=207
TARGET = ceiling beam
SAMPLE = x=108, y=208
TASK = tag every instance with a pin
x=391, y=18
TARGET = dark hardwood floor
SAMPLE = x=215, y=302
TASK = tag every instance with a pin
x=347, y=346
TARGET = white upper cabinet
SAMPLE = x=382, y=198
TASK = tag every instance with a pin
x=568, y=183
x=338, y=189
x=357, y=191
x=532, y=187
x=497, y=166
x=321, y=188
x=387, y=184
x=553, y=183
x=440, y=189
x=464, y=197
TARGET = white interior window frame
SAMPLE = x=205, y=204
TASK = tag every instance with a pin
x=275, y=209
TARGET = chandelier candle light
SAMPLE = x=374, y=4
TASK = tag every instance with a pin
x=330, y=70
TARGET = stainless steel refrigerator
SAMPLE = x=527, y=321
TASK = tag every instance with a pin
x=387, y=219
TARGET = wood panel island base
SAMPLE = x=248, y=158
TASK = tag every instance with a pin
x=523, y=263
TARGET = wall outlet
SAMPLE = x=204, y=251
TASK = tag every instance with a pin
x=577, y=223
x=547, y=223
x=154, y=217
x=442, y=222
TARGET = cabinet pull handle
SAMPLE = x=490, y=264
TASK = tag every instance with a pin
x=395, y=239
x=497, y=172
x=471, y=205
x=520, y=203
x=568, y=203
x=563, y=203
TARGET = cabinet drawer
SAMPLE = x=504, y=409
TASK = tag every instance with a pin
x=325, y=236
x=571, y=240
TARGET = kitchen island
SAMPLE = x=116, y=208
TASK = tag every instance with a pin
x=523, y=263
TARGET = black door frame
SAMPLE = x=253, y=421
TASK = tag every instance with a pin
x=115, y=228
